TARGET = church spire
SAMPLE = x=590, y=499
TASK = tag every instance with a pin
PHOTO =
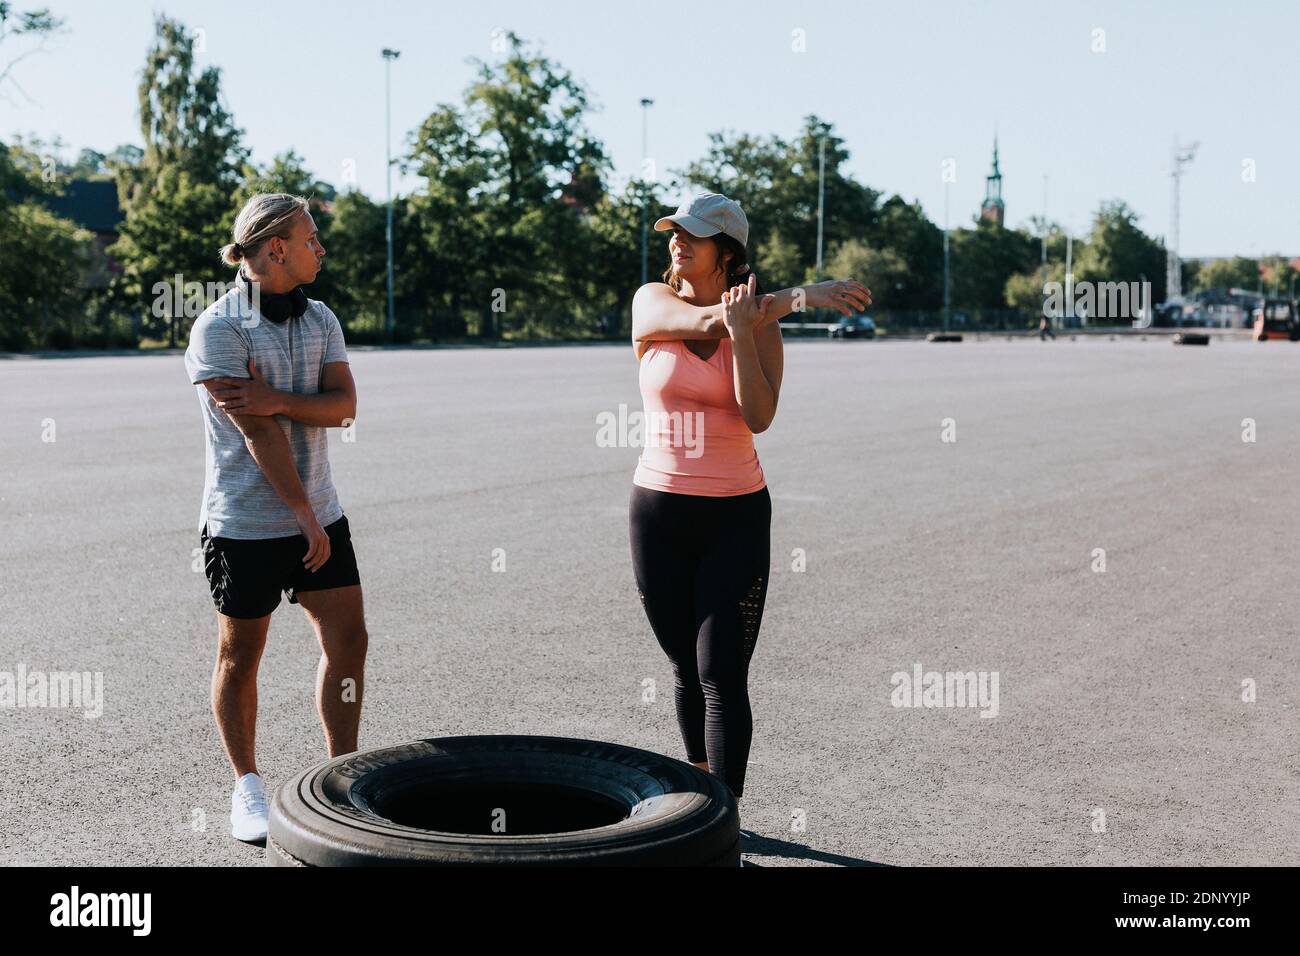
x=993, y=208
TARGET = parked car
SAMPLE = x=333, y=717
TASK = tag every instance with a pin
x=853, y=327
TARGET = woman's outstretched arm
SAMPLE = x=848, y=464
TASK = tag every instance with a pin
x=659, y=314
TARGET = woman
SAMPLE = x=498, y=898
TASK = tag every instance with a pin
x=709, y=348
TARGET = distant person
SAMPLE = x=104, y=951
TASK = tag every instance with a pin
x=272, y=374
x=1045, y=330
x=709, y=348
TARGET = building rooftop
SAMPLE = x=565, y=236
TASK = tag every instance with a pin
x=91, y=204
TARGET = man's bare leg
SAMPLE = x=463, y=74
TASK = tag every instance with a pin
x=339, y=619
x=240, y=643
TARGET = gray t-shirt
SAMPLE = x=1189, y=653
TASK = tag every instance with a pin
x=238, y=501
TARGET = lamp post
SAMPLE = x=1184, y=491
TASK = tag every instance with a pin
x=1042, y=262
x=1069, y=273
x=1182, y=155
x=389, y=56
x=645, y=194
x=821, y=201
x=946, y=190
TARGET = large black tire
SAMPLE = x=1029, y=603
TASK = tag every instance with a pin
x=645, y=809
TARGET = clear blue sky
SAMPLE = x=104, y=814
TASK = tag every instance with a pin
x=906, y=85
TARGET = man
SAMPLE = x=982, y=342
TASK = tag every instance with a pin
x=272, y=373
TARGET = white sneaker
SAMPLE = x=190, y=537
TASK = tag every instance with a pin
x=248, y=809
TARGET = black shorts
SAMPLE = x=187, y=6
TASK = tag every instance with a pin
x=247, y=576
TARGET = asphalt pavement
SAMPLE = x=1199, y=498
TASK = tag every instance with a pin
x=1098, y=538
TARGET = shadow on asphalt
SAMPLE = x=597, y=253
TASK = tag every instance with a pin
x=766, y=846
x=749, y=845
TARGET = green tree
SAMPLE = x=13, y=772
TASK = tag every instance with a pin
x=883, y=271
x=1117, y=250
x=1235, y=273
x=1278, y=275
x=24, y=171
x=983, y=258
x=776, y=182
x=615, y=224
x=285, y=174
x=505, y=215
x=1056, y=240
x=178, y=197
x=779, y=263
x=356, y=260
x=456, y=220
x=46, y=258
x=904, y=229
x=46, y=157
x=1025, y=291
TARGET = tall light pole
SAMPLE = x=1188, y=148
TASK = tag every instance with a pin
x=1173, y=265
x=821, y=202
x=645, y=194
x=1069, y=270
x=389, y=56
x=946, y=190
x=1042, y=262
x=1043, y=254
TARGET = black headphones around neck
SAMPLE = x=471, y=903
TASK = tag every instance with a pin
x=276, y=306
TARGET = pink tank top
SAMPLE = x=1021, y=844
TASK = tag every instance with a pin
x=695, y=440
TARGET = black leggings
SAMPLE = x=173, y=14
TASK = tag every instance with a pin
x=701, y=565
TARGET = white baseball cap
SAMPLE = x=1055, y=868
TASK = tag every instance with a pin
x=707, y=215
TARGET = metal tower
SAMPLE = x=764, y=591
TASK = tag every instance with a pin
x=1173, y=265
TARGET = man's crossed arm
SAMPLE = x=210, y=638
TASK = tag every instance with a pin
x=269, y=447
x=333, y=406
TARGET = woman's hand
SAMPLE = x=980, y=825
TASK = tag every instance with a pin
x=743, y=310
x=845, y=295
